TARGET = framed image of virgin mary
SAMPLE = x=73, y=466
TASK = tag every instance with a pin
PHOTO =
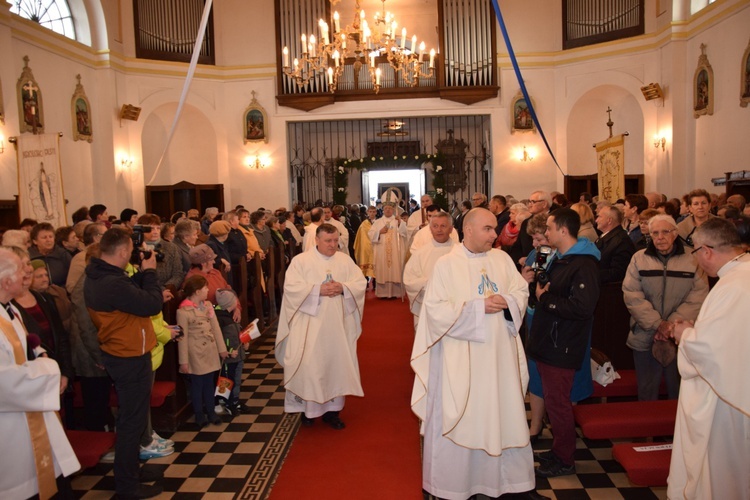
x=520, y=116
x=254, y=123
x=81, y=113
x=703, y=86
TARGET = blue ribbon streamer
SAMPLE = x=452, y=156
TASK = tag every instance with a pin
x=525, y=93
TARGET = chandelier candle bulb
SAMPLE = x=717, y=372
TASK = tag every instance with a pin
x=336, y=25
x=296, y=64
x=336, y=56
x=343, y=41
x=377, y=76
x=311, y=45
x=414, y=43
x=285, y=51
x=421, y=50
x=304, y=44
x=330, y=76
x=403, y=38
x=432, y=58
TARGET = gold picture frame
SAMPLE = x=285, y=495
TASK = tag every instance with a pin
x=703, y=86
x=80, y=110
x=520, y=116
x=745, y=78
x=30, y=104
x=254, y=123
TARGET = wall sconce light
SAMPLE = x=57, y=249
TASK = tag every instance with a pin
x=257, y=162
x=526, y=155
x=125, y=162
x=660, y=140
x=2, y=144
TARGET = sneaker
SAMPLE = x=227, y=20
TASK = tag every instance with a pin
x=554, y=468
x=240, y=408
x=155, y=450
x=108, y=458
x=544, y=456
x=161, y=440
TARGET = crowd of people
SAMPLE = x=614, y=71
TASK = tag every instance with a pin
x=503, y=294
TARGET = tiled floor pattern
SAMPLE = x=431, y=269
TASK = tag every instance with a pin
x=239, y=459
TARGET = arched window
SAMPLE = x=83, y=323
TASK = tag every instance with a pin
x=52, y=14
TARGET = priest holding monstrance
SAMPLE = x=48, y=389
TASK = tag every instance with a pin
x=319, y=324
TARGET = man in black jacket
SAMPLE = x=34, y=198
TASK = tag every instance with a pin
x=560, y=332
x=615, y=245
x=121, y=308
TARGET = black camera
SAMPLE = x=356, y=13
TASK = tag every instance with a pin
x=139, y=254
x=541, y=275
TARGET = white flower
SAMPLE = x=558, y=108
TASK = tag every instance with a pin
x=403, y=157
x=416, y=157
x=341, y=190
x=439, y=191
x=341, y=170
x=372, y=158
x=381, y=157
x=395, y=157
x=438, y=168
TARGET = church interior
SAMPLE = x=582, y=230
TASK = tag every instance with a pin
x=147, y=119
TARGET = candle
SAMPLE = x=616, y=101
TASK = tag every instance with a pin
x=336, y=56
x=372, y=59
x=432, y=58
x=336, y=25
x=343, y=40
x=377, y=76
x=296, y=64
x=421, y=50
x=362, y=15
x=330, y=76
x=312, y=45
x=414, y=43
x=403, y=38
x=304, y=44
x=285, y=51
x=394, y=25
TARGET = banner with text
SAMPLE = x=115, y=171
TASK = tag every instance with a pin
x=610, y=161
x=40, y=188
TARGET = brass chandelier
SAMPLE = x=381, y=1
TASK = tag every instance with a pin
x=359, y=44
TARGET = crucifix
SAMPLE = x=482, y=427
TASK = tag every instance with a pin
x=609, y=121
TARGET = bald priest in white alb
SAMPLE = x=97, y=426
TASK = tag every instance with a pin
x=471, y=372
x=418, y=268
x=321, y=317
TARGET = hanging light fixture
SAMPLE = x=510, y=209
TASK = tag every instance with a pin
x=362, y=44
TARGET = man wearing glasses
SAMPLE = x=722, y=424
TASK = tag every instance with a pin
x=539, y=203
x=663, y=284
x=479, y=200
x=712, y=432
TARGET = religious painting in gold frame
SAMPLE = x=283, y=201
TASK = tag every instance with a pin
x=703, y=86
x=745, y=78
x=254, y=123
x=81, y=114
x=30, y=104
x=520, y=115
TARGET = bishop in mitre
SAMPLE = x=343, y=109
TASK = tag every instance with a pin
x=421, y=263
x=471, y=372
x=319, y=324
x=388, y=237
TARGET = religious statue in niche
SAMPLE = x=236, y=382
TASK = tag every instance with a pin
x=30, y=107
x=81, y=112
x=703, y=86
x=255, y=122
x=745, y=78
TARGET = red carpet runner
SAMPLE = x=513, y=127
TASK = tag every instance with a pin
x=377, y=455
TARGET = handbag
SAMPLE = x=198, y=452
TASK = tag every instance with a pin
x=602, y=371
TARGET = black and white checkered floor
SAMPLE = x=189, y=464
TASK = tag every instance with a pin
x=239, y=459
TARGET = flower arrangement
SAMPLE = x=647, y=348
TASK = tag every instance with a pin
x=435, y=161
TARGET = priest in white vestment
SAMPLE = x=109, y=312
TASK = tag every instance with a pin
x=35, y=448
x=319, y=324
x=418, y=269
x=316, y=219
x=424, y=237
x=471, y=372
x=711, y=449
x=388, y=236
x=343, y=231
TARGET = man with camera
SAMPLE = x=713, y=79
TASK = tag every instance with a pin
x=560, y=332
x=121, y=308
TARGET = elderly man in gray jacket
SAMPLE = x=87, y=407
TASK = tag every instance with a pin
x=663, y=283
